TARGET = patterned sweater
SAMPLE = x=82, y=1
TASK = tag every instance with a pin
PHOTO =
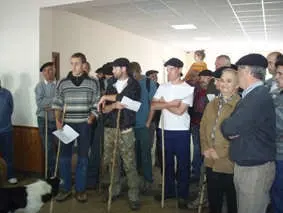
x=80, y=94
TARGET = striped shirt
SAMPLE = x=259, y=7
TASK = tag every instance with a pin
x=80, y=100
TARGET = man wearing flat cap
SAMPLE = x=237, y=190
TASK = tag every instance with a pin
x=174, y=98
x=200, y=101
x=44, y=93
x=251, y=131
x=123, y=85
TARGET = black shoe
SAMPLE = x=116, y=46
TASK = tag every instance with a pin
x=134, y=205
x=182, y=203
x=63, y=195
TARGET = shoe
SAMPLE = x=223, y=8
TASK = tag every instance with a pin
x=63, y=195
x=195, y=204
x=81, y=197
x=13, y=181
x=134, y=205
x=182, y=203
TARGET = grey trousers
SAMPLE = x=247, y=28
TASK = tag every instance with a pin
x=253, y=185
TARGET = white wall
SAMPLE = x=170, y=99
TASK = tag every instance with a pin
x=19, y=53
x=102, y=43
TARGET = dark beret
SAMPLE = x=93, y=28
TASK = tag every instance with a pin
x=107, y=68
x=121, y=62
x=279, y=61
x=253, y=60
x=48, y=64
x=99, y=70
x=175, y=62
x=205, y=73
x=149, y=72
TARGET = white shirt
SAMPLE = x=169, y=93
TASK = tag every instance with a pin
x=170, y=92
x=120, y=85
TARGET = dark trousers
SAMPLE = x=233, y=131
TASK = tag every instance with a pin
x=83, y=140
x=96, y=143
x=218, y=186
x=177, y=143
x=277, y=189
x=6, y=151
x=50, y=143
x=197, y=157
x=143, y=153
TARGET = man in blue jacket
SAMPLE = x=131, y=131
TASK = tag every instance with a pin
x=251, y=130
x=6, y=142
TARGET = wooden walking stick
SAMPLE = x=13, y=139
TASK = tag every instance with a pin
x=46, y=146
x=59, y=145
x=202, y=189
x=163, y=161
x=113, y=160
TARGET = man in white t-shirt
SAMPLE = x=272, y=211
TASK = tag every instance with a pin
x=174, y=98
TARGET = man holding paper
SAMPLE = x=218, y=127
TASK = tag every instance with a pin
x=174, y=98
x=80, y=94
x=123, y=93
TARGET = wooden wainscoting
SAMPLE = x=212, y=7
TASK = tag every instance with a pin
x=28, y=153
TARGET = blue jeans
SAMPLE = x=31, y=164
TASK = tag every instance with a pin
x=277, y=189
x=50, y=143
x=197, y=157
x=94, y=158
x=143, y=153
x=83, y=140
x=6, y=150
x=177, y=143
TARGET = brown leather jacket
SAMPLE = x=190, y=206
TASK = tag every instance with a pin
x=221, y=144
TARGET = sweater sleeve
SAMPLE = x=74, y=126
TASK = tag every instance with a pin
x=58, y=100
x=95, y=98
x=203, y=137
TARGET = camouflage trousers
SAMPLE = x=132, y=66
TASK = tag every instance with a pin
x=126, y=152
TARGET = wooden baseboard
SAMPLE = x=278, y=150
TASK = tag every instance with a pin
x=28, y=152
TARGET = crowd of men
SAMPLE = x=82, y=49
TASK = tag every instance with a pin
x=234, y=116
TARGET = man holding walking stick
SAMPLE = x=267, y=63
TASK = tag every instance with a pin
x=44, y=94
x=123, y=85
x=80, y=94
x=174, y=98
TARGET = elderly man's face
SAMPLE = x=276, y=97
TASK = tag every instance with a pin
x=49, y=73
x=243, y=73
x=271, y=63
x=279, y=76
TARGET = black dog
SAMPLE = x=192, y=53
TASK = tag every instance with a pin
x=29, y=198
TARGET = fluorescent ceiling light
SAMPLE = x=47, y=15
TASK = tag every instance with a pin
x=184, y=27
x=202, y=38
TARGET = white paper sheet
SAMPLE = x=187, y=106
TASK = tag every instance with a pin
x=131, y=104
x=210, y=97
x=67, y=134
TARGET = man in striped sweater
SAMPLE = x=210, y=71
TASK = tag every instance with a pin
x=80, y=95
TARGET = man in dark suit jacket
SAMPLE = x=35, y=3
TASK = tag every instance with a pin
x=251, y=130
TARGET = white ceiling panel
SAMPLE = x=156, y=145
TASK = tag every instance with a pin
x=219, y=19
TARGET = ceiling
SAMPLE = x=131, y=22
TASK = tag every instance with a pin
x=221, y=20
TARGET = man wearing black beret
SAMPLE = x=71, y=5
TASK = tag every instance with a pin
x=122, y=85
x=251, y=131
x=174, y=98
